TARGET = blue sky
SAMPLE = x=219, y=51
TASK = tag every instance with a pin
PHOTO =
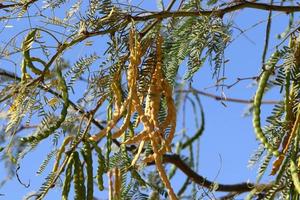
x=228, y=140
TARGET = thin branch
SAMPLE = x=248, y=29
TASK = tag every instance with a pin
x=200, y=180
x=218, y=12
x=24, y=5
x=148, y=28
x=200, y=130
x=183, y=187
x=228, y=99
x=238, y=80
x=19, y=180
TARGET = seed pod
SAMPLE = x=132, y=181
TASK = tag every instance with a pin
x=87, y=155
x=117, y=92
x=100, y=171
x=137, y=155
x=295, y=176
x=257, y=103
x=61, y=151
x=68, y=179
x=78, y=178
x=171, y=117
x=294, y=131
x=26, y=45
x=117, y=183
x=142, y=136
x=49, y=130
x=28, y=60
x=111, y=123
x=101, y=167
x=125, y=124
x=159, y=166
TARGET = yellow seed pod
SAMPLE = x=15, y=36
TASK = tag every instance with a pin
x=66, y=141
x=110, y=124
x=160, y=168
x=143, y=136
x=117, y=183
x=137, y=155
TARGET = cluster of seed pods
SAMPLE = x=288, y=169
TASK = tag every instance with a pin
x=153, y=128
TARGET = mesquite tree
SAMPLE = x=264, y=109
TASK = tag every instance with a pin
x=109, y=112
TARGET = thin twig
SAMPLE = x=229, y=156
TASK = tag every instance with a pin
x=148, y=28
x=18, y=177
x=183, y=187
x=228, y=86
x=228, y=99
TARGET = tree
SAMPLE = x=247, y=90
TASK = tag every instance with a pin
x=109, y=115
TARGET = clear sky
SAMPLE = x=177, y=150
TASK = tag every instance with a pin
x=228, y=139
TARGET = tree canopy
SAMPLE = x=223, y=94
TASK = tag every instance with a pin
x=99, y=84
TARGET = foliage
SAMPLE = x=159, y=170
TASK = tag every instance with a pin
x=135, y=80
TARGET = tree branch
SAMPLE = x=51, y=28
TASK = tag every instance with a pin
x=200, y=180
x=25, y=5
x=218, y=12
